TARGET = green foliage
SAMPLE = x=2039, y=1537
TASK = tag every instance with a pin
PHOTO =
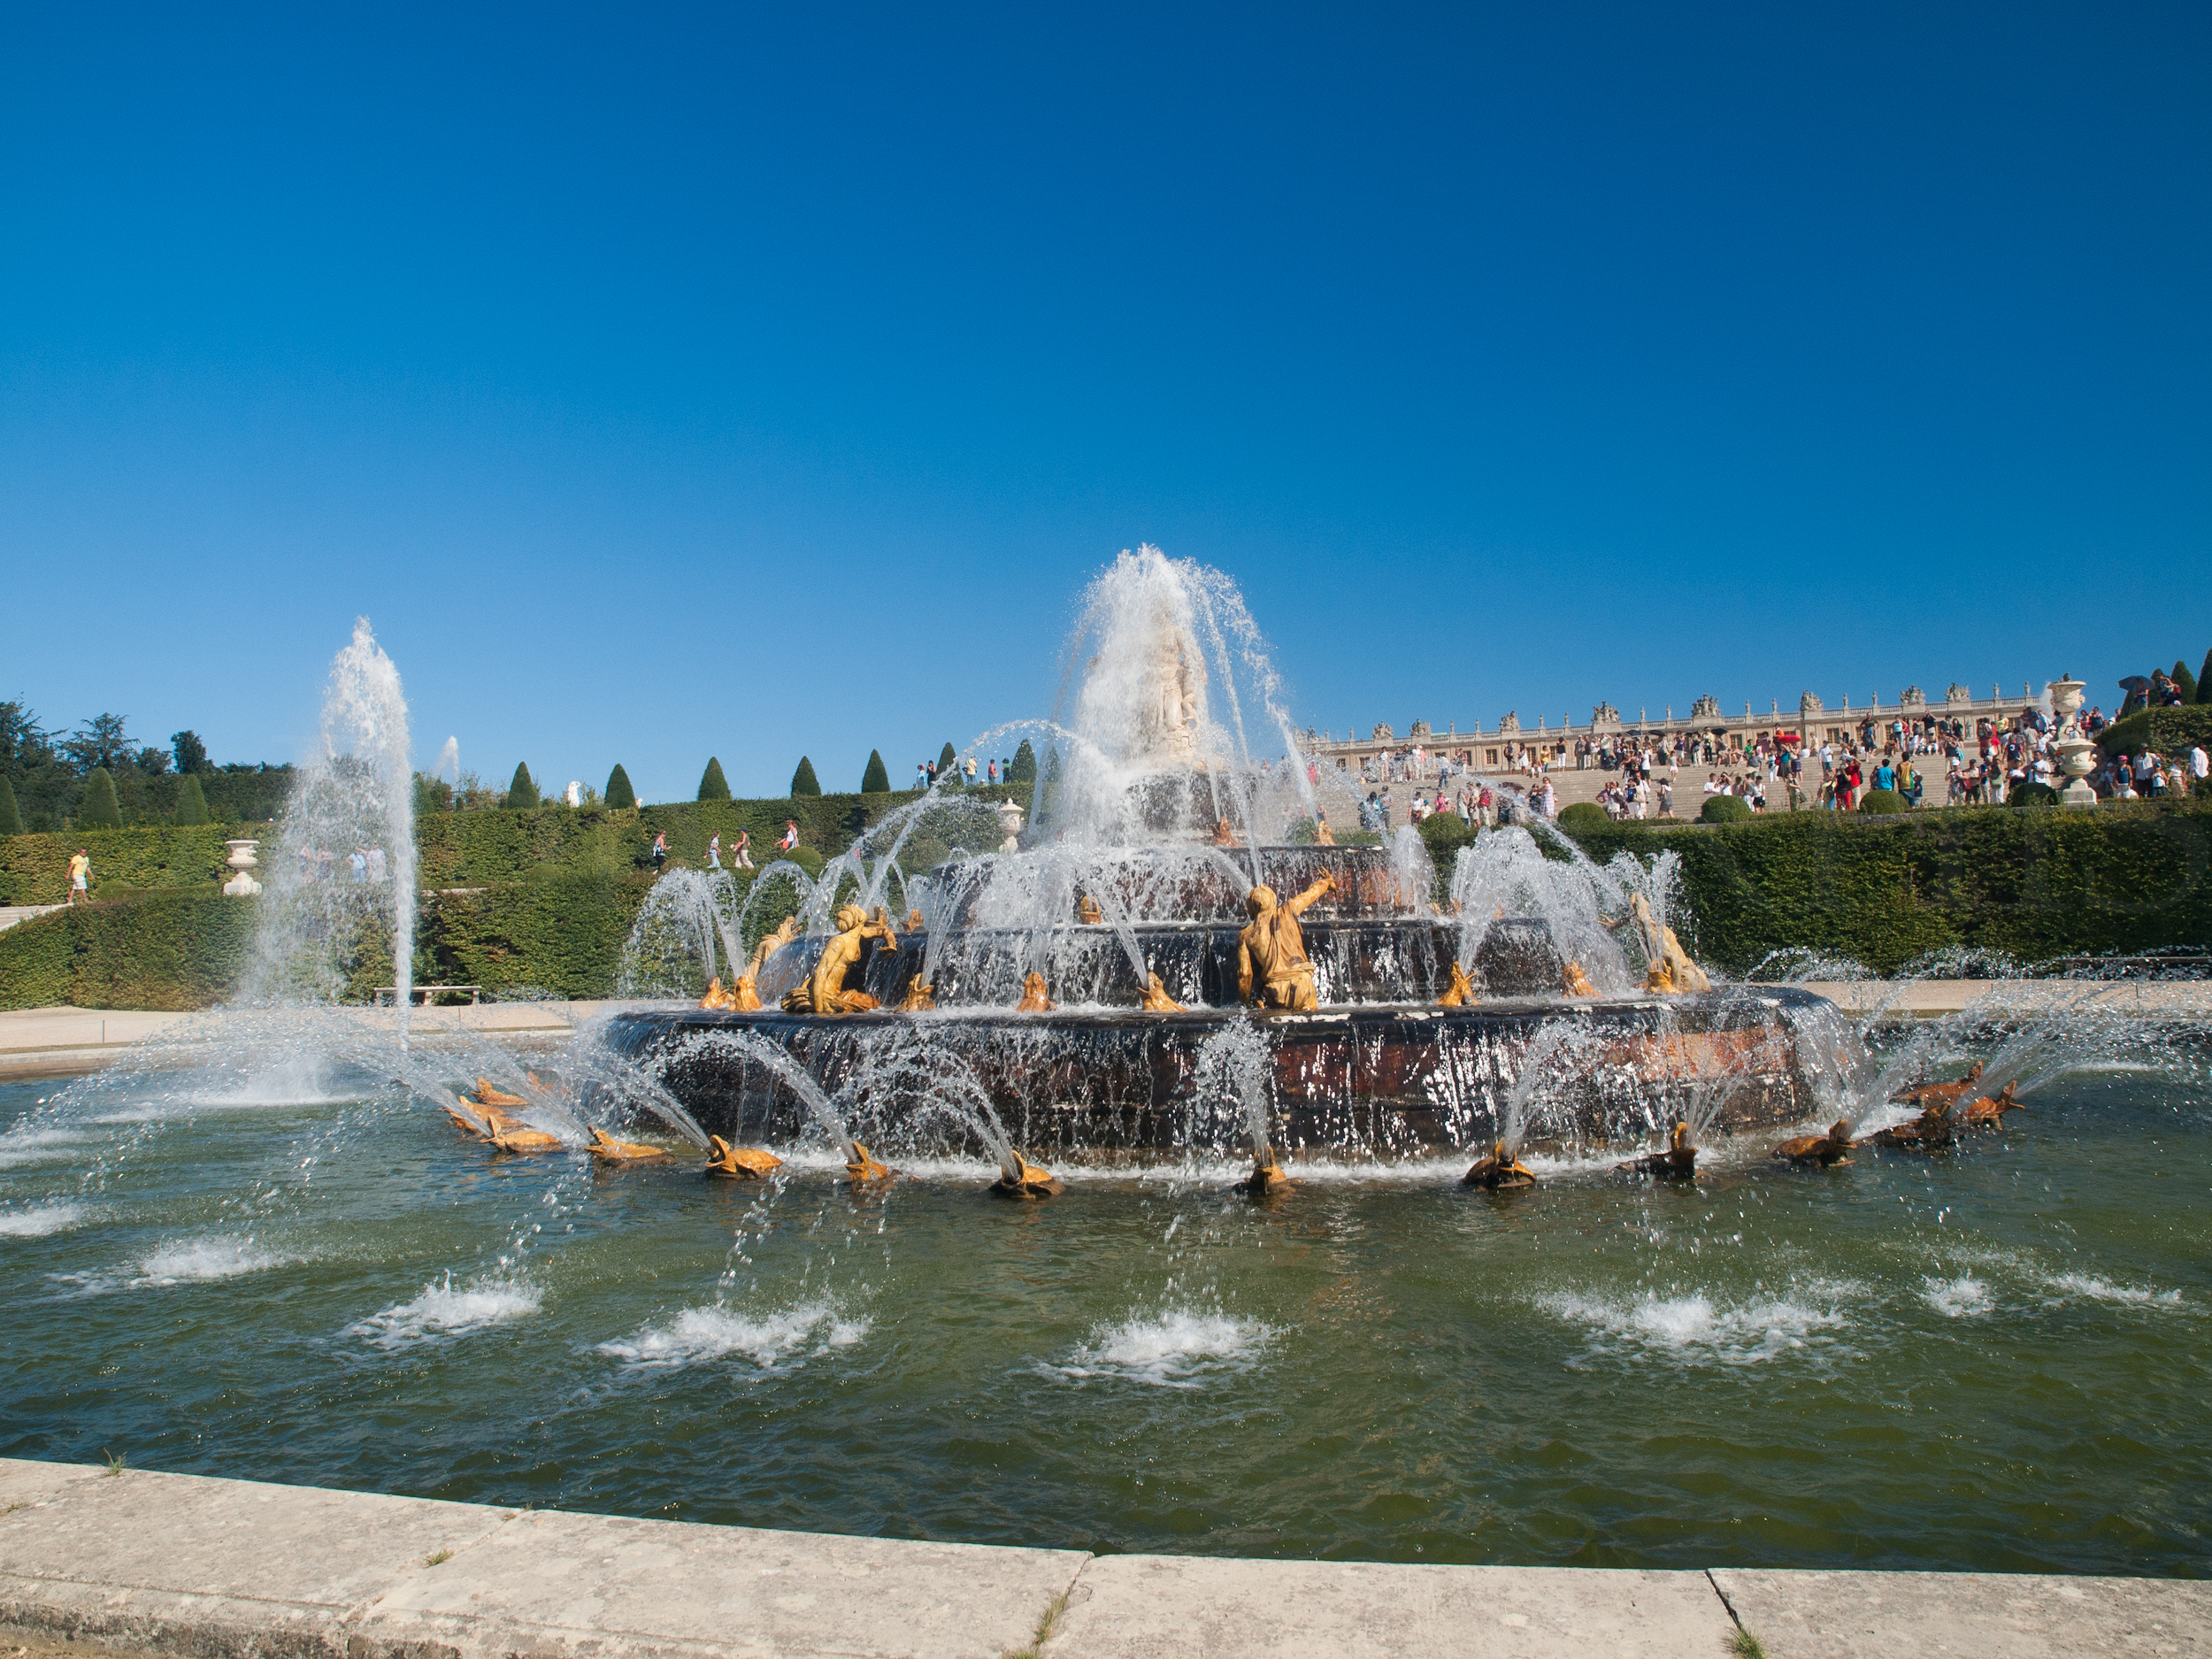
x=803, y=782
x=1883, y=801
x=1444, y=833
x=1583, y=815
x=522, y=794
x=712, y=785
x=2168, y=731
x=160, y=950
x=190, y=753
x=1023, y=767
x=948, y=763
x=35, y=867
x=1052, y=763
x=875, y=778
x=2204, y=681
x=1885, y=890
x=191, y=801
x=97, y=808
x=2032, y=795
x=2185, y=680
x=1724, y=809
x=620, y=796
x=560, y=929
x=11, y=820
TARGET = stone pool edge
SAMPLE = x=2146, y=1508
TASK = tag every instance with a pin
x=221, y=1569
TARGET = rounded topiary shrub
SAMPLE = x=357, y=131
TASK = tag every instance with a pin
x=1725, y=808
x=1882, y=801
x=2033, y=795
x=1583, y=815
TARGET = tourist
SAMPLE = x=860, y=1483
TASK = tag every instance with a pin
x=714, y=850
x=1666, y=798
x=790, y=838
x=80, y=874
x=2197, y=762
x=376, y=866
x=740, y=854
x=660, y=850
x=991, y=772
x=921, y=774
x=358, y=858
x=967, y=770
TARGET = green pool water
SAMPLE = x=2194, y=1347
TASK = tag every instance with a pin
x=1996, y=1359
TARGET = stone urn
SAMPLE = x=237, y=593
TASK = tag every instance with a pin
x=1010, y=819
x=242, y=861
x=2076, y=754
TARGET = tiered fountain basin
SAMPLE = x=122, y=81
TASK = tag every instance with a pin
x=1379, y=1069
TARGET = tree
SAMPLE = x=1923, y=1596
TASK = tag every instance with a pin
x=97, y=808
x=191, y=803
x=11, y=820
x=522, y=794
x=875, y=779
x=191, y=752
x=948, y=765
x=1023, y=767
x=1052, y=763
x=100, y=743
x=2185, y=680
x=2204, y=680
x=712, y=785
x=803, y=780
x=620, y=793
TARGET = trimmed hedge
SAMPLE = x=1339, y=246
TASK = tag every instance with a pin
x=1881, y=800
x=35, y=869
x=1724, y=809
x=175, y=950
x=1885, y=890
x=2168, y=731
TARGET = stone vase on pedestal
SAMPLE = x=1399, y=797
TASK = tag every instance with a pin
x=2076, y=755
x=242, y=861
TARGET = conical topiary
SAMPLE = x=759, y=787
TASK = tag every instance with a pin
x=97, y=808
x=712, y=785
x=2204, y=680
x=803, y=782
x=619, y=791
x=1052, y=763
x=11, y=820
x=1023, y=767
x=875, y=778
x=2186, y=681
x=948, y=765
x=522, y=792
x=191, y=803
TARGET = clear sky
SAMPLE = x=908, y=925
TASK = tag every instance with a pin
x=754, y=381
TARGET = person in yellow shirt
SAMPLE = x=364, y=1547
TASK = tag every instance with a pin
x=80, y=876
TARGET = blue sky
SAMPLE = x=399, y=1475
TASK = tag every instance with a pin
x=753, y=381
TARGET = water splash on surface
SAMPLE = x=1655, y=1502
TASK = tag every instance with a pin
x=771, y=1340
x=444, y=1310
x=1176, y=1347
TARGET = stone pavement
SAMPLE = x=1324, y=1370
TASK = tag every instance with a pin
x=11, y=914
x=184, y=1564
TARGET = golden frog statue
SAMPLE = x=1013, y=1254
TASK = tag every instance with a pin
x=1460, y=993
x=1156, y=1000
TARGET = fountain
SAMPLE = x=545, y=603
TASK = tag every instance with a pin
x=1081, y=969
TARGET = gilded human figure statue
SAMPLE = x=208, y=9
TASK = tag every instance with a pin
x=824, y=992
x=1272, y=970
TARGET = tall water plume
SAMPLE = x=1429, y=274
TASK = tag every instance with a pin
x=339, y=890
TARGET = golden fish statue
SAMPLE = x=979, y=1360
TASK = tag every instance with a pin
x=607, y=1149
x=1155, y=999
x=1460, y=993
